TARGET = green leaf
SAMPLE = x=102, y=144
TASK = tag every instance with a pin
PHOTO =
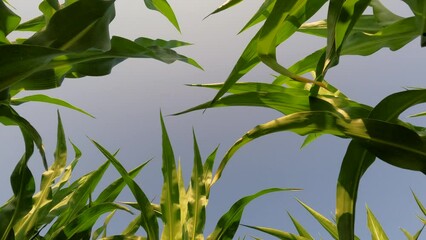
x=102, y=229
x=87, y=218
x=357, y=159
x=300, y=229
x=13, y=118
x=260, y=15
x=9, y=21
x=224, y=6
x=111, y=192
x=47, y=99
x=419, y=203
x=329, y=226
x=124, y=237
x=419, y=9
x=164, y=8
x=394, y=37
x=267, y=41
x=23, y=187
x=355, y=162
x=376, y=229
x=228, y=223
x=197, y=197
x=148, y=220
x=277, y=233
x=170, y=201
x=341, y=18
x=80, y=26
x=20, y=61
x=76, y=195
x=249, y=58
x=41, y=201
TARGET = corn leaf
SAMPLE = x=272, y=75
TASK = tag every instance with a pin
x=277, y=233
x=224, y=6
x=47, y=99
x=80, y=26
x=9, y=21
x=377, y=232
x=23, y=187
x=41, y=201
x=170, y=199
x=164, y=8
x=329, y=226
x=228, y=223
x=300, y=229
x=249, y=58
x=197, y=197
x=148, y=220
x=87, y=218
x=76, y=195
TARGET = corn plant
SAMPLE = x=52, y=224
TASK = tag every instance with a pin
x=374, y=226
x=65, y=209
x=68, y=40
x=313, y=106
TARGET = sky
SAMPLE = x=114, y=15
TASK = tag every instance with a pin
x=127, y=106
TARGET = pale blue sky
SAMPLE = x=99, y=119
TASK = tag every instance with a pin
x=127, y=104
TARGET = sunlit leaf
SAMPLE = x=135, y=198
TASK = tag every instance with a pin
x=164, y=8
x=300, y=229
x=277, y=233
x=170, y=202
x=87, y=218
x=260, y=15
x=377, y=232
x=148, y=220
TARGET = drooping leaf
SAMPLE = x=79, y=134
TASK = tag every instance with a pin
x=355, y=162
x=80, y=26
x=23, y=187
x=341, y=18
x=9, y=116
x=164, y=8
x=47, y=99
x=228, y=223
x=9, y=21
x=357, y=159
x=20, y=61
x=249, y=58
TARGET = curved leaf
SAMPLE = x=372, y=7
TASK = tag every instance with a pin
x=47, y=99
x=80, y=26
x=164, y=8
x=228, y=223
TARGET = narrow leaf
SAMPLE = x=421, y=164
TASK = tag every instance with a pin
x=376, y=229
x=228, y=223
